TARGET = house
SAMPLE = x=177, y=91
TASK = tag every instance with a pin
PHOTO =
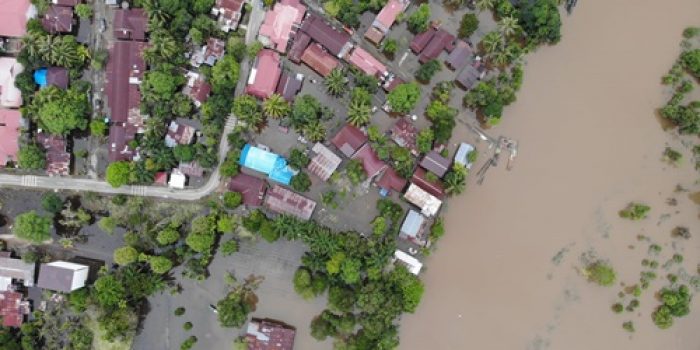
x=179, y=134
x=55, y=76
x=365, y=62
x=130, y=24
x=62, y=276
x=460, y=56
x=349, y=139
x=269, y=335
x=470, y=75
x=436, y=163
x=299, y=45
x=462, y=155
x=412, y=264
x=404, y=133
x=391, y=181
x=178, y=180
x=13, y=308
x=432, y=186
x=58, y=19
x=370, y=161
x=391, y=83
x=10, y=121
x=10, y=95
x=413, y=228
x=384, y=20
x=15, y=271
x=428, y=203
x=421, y=40
x=228, y=13
x=209, y=53
x=14, y=17
x=57, y=156
x=279, y=23
x=264, y=75
x=191, y=169
x=283, y=201
x=289, y=85
x=160, y=178
x=271, y=164
x=319, y=60
x=125, y=71
x=324, y=163
x=442, y=40
x=197, y=89
x=336, y=42
x=251, y=188
x=65, y=2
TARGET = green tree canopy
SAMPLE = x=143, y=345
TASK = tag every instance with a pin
x=125, y=255
x=31, y=156
x=419, y=19
x=541, y=21
x=224, y=75
x=160, y=264
x=404, y=97
x=32, y=227
x=232, y=199
x=118, y=173
x=60, y=111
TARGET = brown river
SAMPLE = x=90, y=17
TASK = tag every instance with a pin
x=589, y=144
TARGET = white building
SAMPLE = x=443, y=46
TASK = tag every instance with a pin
x=178, y=180
x=62, y=276
x=412, y=264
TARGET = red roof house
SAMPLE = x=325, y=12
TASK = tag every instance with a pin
x=370, y=161
x=442, y=40
x=12, y=308
x=336, y=42
x=58, y=19
x=57, y=157
x=299, y=45
x=250, y=187
x=404, y=134
x=57, y=77
x=130, y=24
x=422, y=39
x=319, y=60
x=229, y=13
x=365, y=62
x=290, y=85
x=436, y=163
x=435, y=188
x=196, y=88
x=269, y=335
x=391, y=181
x=385, y=19
x=209, y=53
x=470, y=75
x=284, y=201
x=264, y=75
x=9, y=135
x=192, y=169
x=349, y=139
x=14, y=16
x=179, y=134
x=460, y=56
x=278, y=25
x=161, y=178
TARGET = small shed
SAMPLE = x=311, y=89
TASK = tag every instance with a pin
x=324, y=163
x=436, y=163
x=62, y=276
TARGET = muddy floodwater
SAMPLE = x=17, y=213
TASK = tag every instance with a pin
x=505, y=276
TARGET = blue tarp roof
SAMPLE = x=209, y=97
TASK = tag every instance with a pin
x=40, y=76
x=274, y=165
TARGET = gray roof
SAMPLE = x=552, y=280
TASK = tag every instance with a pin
x=17, y=269
x=435, y=163
x=84, y=31
x=412, y=224
x=55, y=278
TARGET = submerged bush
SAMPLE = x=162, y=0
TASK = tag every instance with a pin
x=601, y=273
x=635, y=211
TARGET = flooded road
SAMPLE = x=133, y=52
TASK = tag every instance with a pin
x=589, y=144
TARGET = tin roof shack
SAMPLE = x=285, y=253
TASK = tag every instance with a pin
x=57, y=156
x=269, y=335
x=289, y=85
x=57, y=76
x=283, y=201
x=179, y=134
x=436, y=163
x=299, y=45
x=228, y=13
x=10, y=95
x=470, y=75
x=349, y=139
x=412, y=264
x=428, y=203
x=442, y=40
x=14, y=17
x=130, y=24
x=62, y=276
x=13, y=308
x=197, y=89
x=319, y=60
x=251, y=189
x=385, y=19
x=324, y=163
x=160, y=178
x=209, y=53
x=462, y=155
x=404, y=133
x=264, y=75
x=10, y=121
x=420, y=178
x=391, y=181
x=460, y=56
x=15, y=271
x=413, y=228
x=370, y=161
x=365, y=62
x=279, y=23
x=58, y=19
x=336, y=42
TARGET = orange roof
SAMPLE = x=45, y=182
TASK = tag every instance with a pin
x=320, y=61
x=14, y=16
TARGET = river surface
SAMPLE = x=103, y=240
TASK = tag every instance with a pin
x=589, y=144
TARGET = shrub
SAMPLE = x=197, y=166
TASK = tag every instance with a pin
x=232, y=199
x=179, y=311
x=229, y=247
x=301, y=182
x=468, y=25
x=187, y=326
x=600, y=273
x=32, y=227
x=617, y=308
x=51, y=202
x=188, y=343
x=428, y=70
x=125, y=255
x=168, y=236
x=628, y=326
x=635, y=211
x=107, y=224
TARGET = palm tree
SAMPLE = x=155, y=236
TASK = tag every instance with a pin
x=156, y=15
x=276, y=107
x=336, y=82
x=359, y=113
x=508, y=26
x=456, y=179
x=491, y=42
x=484, y=5
x=163, y=43
x=315, y=131
x=32, y=45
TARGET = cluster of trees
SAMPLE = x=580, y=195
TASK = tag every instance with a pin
x=404, y=98
x=307, y=117
x=32, y=227
x=456, y=179
x=239, y=302
x=60, y=111
x=676, y=303
x=468, y=25
x=348, y=12
x=426, y=71
x=635, y=211
x=400, y=157
x=684, y=115
x=489, y=97
x=601, y=273
x=355, y=172
x=441, y=115
x=419, y=20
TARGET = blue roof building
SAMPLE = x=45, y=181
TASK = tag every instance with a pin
x=274, y=165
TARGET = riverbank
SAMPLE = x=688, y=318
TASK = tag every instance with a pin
x=589, y=144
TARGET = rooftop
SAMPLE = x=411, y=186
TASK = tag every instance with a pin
x=14, y=16
x=177, y=180
x=269, y=335
x=264, y=75
x=433, y=187
x=15, y=269
x=279, y=23
x=130, y=24
x=365, y=62
x=412, y=227
x=10, y=95
x=460, y=56
x=436, y=163
x=179, y=134
x=289, y=85
x=336, y=42
x=324, y=163
x=9, y=135
x=58, y=19
x=412, y=264
x=404, y=134
x=284, y=201
x=428, y=204
x=229, y=13
x=348, y=140
x=319, y=60
x=274, y=165
x=370, y=161
x=209, y=53
x=299, y=45
x=12, y=308
x=470, y=75
x=387, y=16
x=391, y=181
x=62, y=276
x=442, y=40
x=196, y=88
x=57, y=158
x=250, y=187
